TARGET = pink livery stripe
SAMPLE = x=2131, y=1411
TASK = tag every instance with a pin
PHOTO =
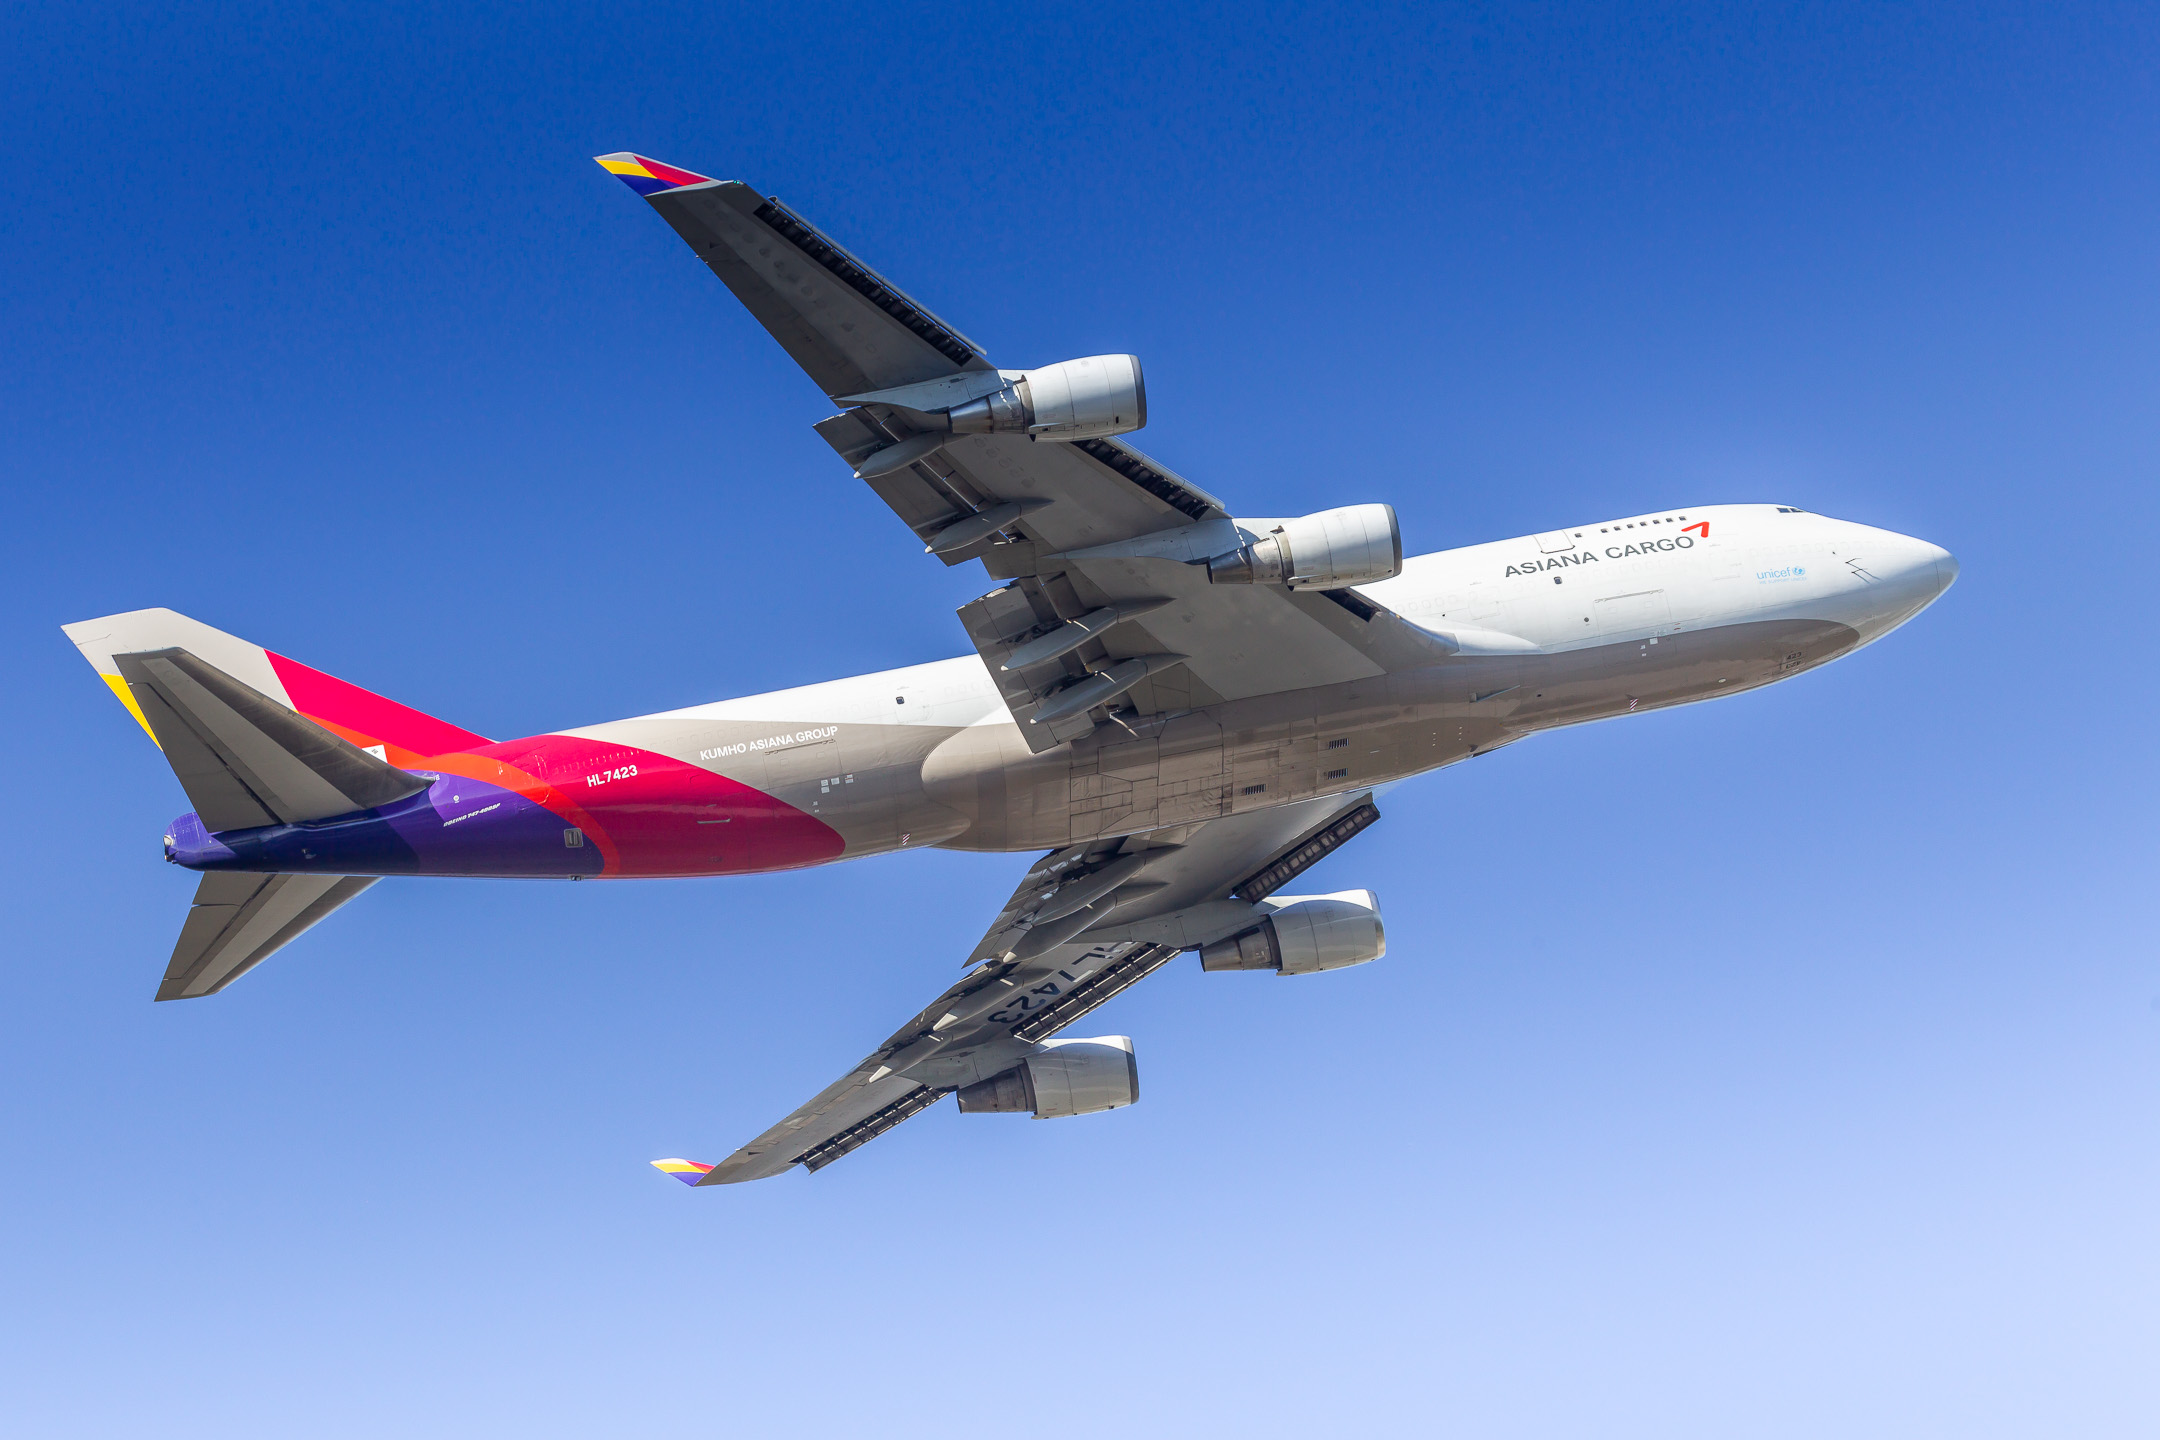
x=351, y=710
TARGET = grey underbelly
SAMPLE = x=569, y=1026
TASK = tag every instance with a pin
x=980, y=788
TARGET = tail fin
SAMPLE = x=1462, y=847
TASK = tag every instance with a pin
x=395, y=733
x=255, y=739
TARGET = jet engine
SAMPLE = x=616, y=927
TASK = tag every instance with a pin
x=1062, y=1077
x=1072, y=400
x=1352, y=545
x=1305, y=935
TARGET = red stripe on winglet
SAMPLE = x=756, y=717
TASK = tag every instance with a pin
x=672, y=175
x=337, y=702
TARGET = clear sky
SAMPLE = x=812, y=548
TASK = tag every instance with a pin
x=1784, y=1067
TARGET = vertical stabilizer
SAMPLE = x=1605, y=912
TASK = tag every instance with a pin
x=402, y=734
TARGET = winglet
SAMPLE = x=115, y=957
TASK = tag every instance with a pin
x=687, y=1171
x=648, y=177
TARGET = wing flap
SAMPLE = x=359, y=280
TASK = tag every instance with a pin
x=863, y=1131
x=845, y=1106
x=1000, y=622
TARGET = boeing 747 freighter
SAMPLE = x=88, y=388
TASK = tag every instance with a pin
x=1181, y=709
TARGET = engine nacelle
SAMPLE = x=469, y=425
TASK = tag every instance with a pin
x=1062, y=1077
x=1305, y=935
x=1352, y=545
x=1072, y=400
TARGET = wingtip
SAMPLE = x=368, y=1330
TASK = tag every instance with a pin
x=687, y=1171
x=648, y=176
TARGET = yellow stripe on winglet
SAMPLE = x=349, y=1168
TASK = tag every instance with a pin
x=127, y=698
x=615, y=166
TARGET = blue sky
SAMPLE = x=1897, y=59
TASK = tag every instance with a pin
x=1780, y=1067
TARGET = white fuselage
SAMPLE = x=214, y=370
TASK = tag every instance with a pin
x=1573, y=625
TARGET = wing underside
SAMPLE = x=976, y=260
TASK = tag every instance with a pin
x=1082, y=530
x=1107, y=615
x=848, y=327
x=1042, y=966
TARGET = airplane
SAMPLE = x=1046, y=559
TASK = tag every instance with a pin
x=1180, y=709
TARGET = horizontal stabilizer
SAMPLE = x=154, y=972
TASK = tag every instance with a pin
x=687, y=1171
x=237, y=921
x=244, y=759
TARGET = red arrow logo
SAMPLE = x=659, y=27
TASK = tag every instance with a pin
x=1702, y=525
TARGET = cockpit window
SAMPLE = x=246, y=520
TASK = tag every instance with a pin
x=1790, y=510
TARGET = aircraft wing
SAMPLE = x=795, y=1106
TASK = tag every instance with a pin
x=1045, y=963
x=1116, y=543
x=1086, y=531
x=849, y=328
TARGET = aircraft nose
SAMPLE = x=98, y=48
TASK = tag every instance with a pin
x=1898, y=575
x=1908, y=559
x=1927, y=568
x=1946, y=566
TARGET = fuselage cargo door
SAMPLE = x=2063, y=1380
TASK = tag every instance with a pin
x=1636, y=612
x=1552, y=542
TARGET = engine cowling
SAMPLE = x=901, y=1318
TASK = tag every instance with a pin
x=1350, y=545
x=1305, y=935
x=1062, y=1077
x=1072, y=400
